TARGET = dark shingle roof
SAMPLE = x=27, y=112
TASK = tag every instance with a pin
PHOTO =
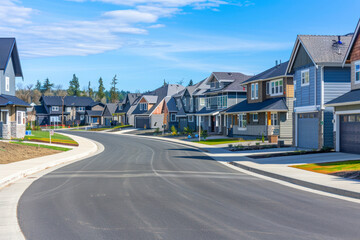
x=171, y=104
x=274, y=104
x=40, y=110
x=352, y=96
x=12, y=100
x=93, y=113
x=111, y=107
x=68, y=101
x=230, y=76
x=8, y=49
x=276, y=71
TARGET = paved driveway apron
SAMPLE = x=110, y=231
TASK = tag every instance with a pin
x=145, y=189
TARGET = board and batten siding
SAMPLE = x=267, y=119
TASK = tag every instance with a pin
x=305, y=94
x=9, y=72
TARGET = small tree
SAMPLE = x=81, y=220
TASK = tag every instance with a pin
x=101, y=90
x=173, y=130
x=46, y=87
x=38, y=85
x=113, y=90
x=190, y=82
x=204, y=134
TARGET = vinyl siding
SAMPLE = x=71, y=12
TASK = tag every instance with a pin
x=337, y=81
x=286, y=120
x=328, y=129
x=9, y=72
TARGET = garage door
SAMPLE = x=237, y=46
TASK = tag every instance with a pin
x=142, y=122
x=308, y=130
x=350, y=133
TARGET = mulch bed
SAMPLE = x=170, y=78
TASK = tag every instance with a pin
x=270, y=155
x=348, y=174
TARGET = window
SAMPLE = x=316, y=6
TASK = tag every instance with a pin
x=185, y=102
x=201, y=119
x=7, y=84
x=120, y=107
x=274, y=119
x=202, y=101
x=20, y=118
x=55, y=108
x=68, y=109
x=267, y=88
x=191, y=118
x=255, y=117
x=276, y=87
x=54, y=119
x=81, y=109
x=4, y=117
x=82, y=117
x=173, y=117
x=191, y=104
x=254, y=91
x=143, y=106
x=305, y=77
x=242, y=120
x=357, y=71
x=217, y=120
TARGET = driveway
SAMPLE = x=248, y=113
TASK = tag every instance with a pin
x=140, y=188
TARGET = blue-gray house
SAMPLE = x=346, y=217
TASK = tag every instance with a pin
x=316, y=64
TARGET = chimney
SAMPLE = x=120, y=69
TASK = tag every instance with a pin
x=276, y=62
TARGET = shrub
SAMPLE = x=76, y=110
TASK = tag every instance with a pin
x=188, y=131
x=173, y=130
x=157, y=131
x=262, y=138
x=204, y=134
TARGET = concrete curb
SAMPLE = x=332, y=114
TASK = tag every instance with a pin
x=310, y=185
x=60, y=159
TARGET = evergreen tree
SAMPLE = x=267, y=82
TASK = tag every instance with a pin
x=38, y=85
x=165, y=83
x=191, y=82
x=47, y=86
x=101, y=91
x=74, y=87
x=113, y=90
x=90, y=91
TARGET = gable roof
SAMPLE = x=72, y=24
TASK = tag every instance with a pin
x=111, y=107
x=8, y=49
x=349, y=98
x=12, y=100
x=230, y=76
x=132, y=97
x=40, y=110
x=322, y=49
x=171, y=104
x=150, y=98
x=354, y=37
x=276, y=71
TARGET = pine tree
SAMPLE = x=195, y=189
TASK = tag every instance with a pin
x=165, y=83
x=90, y=91
x=113, y=90
x=101, y=91
x=46, y=87
x=74, y=87
x=191, y=82
x=38, y=85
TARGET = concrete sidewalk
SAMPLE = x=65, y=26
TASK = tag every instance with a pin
x=280, y=167
x=12, y=172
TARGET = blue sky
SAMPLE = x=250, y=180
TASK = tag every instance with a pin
x=147, y=41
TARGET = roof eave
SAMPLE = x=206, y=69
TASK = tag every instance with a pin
x=342, y=104
x=351, y=43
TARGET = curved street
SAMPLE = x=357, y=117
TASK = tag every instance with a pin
x=139, y=188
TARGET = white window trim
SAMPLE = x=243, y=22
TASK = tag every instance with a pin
x=255, y=120
x=273, y=118
x=81, y=109
x=7, y=115
x=55, y=108
x=22, y=116
x=279, y=92
x=356, y=63
x=7, y=84
x=173, y=117
x=209, y=121
x=304, y=71
x=254, y=91
x=82, y=117
x=241, y=119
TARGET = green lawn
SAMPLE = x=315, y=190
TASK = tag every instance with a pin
x=331, y=167
x=224, y=141
x=43, y=136
x=43, y=146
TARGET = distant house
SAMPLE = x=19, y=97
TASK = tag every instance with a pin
x=225, y=91
x=148, y=109
x=69, y=110
x=95, y=113
x=268, y=109
x=12, y=109
x=319, y=77
x=125, y=109
x=109, y=114
x=347, y=106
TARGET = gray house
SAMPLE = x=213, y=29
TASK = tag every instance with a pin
x=225, y=90
x=125, y=109
x=268, y=109
x=316, y=63
x=109, y=118
x=12, y=109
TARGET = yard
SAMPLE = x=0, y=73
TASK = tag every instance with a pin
x=43, y=136
x=224, y=141
x=349, y=169
x=11, y=152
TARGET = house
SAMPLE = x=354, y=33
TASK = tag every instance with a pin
x=186, y=104
x=319, y=77
x=149, y=109
x=225, y=90
x=12, y=109
x=125, y=109
x=268, y=109
x=347, y=106
x=95, y=113
x=109, y=118
x=68, y=110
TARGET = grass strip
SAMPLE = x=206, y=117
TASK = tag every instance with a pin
x=331, y=167
x=224, y=141
x=43, y=146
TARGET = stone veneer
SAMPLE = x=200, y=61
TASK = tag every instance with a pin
x=16, y=131
x=5, y=131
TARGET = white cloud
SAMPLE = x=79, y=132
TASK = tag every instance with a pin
x=12, y=14
x=157, y=26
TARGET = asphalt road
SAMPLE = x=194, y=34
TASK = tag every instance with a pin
x=146, y=189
